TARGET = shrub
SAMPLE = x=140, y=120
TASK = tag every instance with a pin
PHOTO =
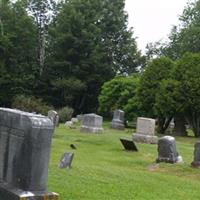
x=30, y=104
x=65, y=114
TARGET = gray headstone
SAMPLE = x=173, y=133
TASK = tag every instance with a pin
x=66, y=160
x=129, y=145
x=53, y=115
x=25, y=142
x=167, y=150
x=196, y=161
x=145, y=131
x=92, y=123
x=118, y=120
x=79, y=117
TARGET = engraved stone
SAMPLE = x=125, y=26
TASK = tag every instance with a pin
x=53, y=115
x=145, y=131
x=167, y=150
x=196, y=161
x=66, y=160
x=118, y=120
x=25, y=141
x=92, y=123
x=129, y=145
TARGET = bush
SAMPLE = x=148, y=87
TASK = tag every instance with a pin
x=30, y=104
x=65, y=114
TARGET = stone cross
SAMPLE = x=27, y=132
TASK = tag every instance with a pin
x=167, y=150
x=53, y=115
x=118, y=120
x=92, y=123
x=145, y=131
x=25, y=142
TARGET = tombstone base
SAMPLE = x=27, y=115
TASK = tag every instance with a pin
x=195, y=164
x=117, y=125
x=8, y=193
x=145, y=138
x=168, y=160
x=87, y=129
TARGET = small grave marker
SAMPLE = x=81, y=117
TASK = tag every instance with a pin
x=129, y=145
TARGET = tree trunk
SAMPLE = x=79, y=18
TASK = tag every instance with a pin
x=180, y=128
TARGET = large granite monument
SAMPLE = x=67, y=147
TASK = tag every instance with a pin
x=196, y=161
x=25, y=142
x=53, y=115
x=92, y=123
x=145, y=131
x=118, y=120
x=167, y=150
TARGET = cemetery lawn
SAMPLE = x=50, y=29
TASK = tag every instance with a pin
x=102, y=170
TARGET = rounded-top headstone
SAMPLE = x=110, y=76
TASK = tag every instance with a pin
x=196, y=161
x=92, y=123
x=167, y=150
x=118, y=120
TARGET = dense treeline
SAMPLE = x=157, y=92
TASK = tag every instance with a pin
x=169, y=87
x=62, y=53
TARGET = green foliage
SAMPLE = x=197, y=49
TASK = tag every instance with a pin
x=116, y=93
x=157, y=70
x=65, y=114
x=30, y=104
x=187, y=73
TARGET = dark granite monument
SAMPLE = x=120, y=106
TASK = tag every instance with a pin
x=167, y=150
x=196, y=161
x=128, y=145
x=66, y=160
x=25, y=142
x=118, y=120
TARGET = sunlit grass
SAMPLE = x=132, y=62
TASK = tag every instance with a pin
x=102, y=170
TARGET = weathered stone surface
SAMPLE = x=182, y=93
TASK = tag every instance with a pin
x=25, y=141
x=145, y=131
x=118, y=120
x=92, y=123
x=79, y=117
x=53, y=115
x=74, y=120
x=196, y=161
x=129, y=145
x=66, y=160
x=167, y=150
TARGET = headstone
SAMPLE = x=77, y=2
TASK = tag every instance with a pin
x=196, y=161
x=74, y=120
x=129, y=145
x=66, y=160
x=145, y=131
x=25, y=142
x=167, y=150
x=53, y=115
x=92, y=123
x=118, y=120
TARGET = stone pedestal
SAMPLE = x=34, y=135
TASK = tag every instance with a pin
x=167, y=150
x=118, y=120
x=196, y=161
x=92, y=123
x=145, y=131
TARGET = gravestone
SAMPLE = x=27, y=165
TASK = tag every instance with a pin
x=92, y=123
x=74, y=120
x=196, y=161
x=167, y=150
x=25, y=142
x=66, y=160
x=53, y=115
x=128, y=145
x=79, y=117
x=145, y=131
x=118, y=120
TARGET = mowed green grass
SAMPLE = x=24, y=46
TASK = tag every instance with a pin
x=102, y=170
